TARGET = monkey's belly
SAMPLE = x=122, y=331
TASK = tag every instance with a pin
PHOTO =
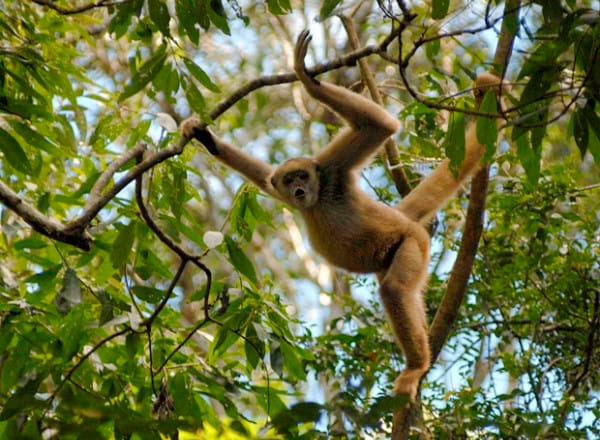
x=359, y=235
x=360, y=256
x=364, y=251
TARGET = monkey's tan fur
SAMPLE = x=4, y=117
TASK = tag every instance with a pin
x=345, y=225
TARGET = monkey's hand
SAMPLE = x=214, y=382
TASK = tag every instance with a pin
x=299, y=55
x=192, y=128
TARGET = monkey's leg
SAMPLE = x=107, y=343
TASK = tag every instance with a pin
x=401, y=292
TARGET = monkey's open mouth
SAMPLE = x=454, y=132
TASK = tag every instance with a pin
x=299, y=193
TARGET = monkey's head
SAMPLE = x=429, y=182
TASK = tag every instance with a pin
x=297, y=181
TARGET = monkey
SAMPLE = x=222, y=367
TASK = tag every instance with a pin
x=346, y=226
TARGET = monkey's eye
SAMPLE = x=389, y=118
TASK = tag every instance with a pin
x=303, y=175
x=287, y=180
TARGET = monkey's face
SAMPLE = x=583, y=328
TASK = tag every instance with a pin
x=297, y=181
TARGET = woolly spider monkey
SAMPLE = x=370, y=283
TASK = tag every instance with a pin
x=346, y=226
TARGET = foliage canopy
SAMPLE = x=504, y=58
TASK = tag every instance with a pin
x=145, y=291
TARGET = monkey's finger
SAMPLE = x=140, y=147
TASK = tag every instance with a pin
x=302, y=43
x=302, y=35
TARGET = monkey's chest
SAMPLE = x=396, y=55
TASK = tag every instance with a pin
x=361, y=241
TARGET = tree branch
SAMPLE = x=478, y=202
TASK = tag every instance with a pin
x=448, y=310
x=447, y=313
x=108, y=173
x=393, y=164
x=79, y=9
x=44, y=225
x=74, y=232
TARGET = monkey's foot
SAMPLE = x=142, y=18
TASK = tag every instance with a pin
x=188, y=125
x=407, y=383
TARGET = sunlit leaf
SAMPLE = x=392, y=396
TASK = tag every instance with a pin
x=122, y=245
x=439, y=9
x=327, y=8
x=454, y=143
x=200, y=75
x=240, y=261
x=529, y=158
x=486, y=129
x=292, y=361
x=146, y=73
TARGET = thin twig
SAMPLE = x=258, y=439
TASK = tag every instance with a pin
x=108, y=173
x=79, y=9
x=391, y=150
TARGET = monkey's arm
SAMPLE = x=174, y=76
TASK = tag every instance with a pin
x=370, y=124
x=255, y=170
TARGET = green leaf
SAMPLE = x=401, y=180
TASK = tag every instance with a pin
x=529, y=158
x=33, y=138
x=200, y=75
x=121, y=20
x=594, y=124
x=298, y=413
x=30, y=243
x=240, y=261
x=148, y=261
x=176, y=192
x=159, y=14
x=224, y=339
x=454, y=144
x=145, y=74
x=13, y=364
x=132, y=343
x=24, y=399
x=258, y=212
x=276, y=358
x=106, y=309
x=71, y=332
x=254, y=347
x=242, y=220
x=70, y=293
x=439, y=9
x=581, y=131
x=187, y=12
x=148, y=294
x=292, y=361
x=487, y=129
x=123, y=244
x=279, y=7
x=594, y=147
x=108, y=128
x=13, y=152
x=195, y=99
x=217, y=15
x=327, y=8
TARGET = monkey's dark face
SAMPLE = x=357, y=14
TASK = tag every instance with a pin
x=297, y=181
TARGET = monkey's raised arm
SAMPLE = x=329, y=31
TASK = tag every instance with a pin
x=370, y=124
x=255, y=170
